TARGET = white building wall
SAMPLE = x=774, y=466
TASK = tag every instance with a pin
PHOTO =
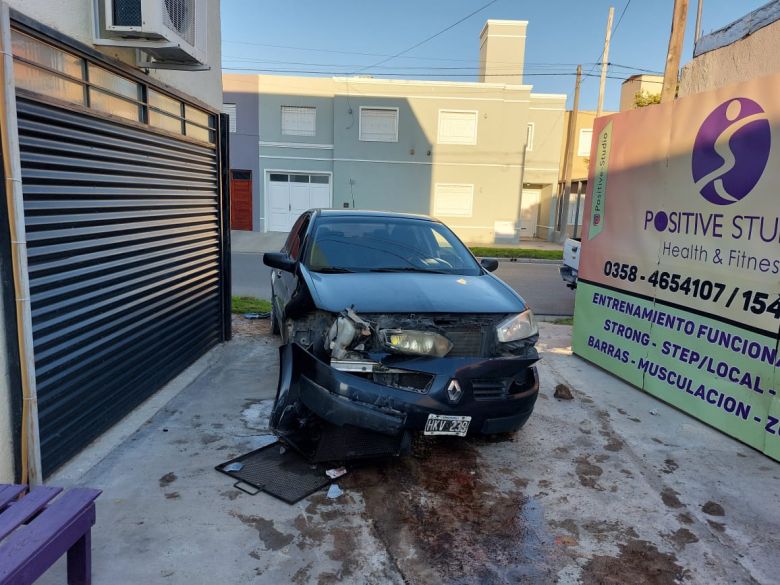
x=74, y=18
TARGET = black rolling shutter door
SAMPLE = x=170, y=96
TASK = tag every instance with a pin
x=123, y=236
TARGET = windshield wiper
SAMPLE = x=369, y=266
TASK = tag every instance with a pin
x=333, y=270
x=408, y=269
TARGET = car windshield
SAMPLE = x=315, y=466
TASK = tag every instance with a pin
x=386, y=244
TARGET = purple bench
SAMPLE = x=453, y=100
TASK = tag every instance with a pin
x=36, y=529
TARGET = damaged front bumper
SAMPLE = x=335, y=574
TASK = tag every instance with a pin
x=498, y=393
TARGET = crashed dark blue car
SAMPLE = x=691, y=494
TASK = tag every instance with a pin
x=390, y=326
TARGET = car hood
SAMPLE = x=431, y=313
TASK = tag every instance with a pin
x=412, y=293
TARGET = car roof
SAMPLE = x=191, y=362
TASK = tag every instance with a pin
x=371, y=213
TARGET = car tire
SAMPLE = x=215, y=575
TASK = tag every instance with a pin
x=274, y=321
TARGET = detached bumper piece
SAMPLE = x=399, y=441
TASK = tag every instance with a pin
x=329, y=414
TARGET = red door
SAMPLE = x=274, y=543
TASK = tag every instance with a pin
x=241, y=200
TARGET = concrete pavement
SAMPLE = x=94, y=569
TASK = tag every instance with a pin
x=610, y=487
x=537, y=282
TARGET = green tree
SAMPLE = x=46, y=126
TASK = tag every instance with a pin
x=644, y=98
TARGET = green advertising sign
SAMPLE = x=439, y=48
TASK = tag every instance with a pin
x=679, y=293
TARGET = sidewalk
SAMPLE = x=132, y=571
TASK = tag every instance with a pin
x=258, y=242
x=242, y=242
x=610, y=487
x=534, y=244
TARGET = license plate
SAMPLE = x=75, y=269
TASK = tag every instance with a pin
x=445, y=424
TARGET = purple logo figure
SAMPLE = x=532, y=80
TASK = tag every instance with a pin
x=731, y=151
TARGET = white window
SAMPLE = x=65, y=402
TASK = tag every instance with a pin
x=453, y=200
x=583, y=146
x=230, y=110
x=299, y=120
x=529, y=139
x=457, y=127
x=379, y=124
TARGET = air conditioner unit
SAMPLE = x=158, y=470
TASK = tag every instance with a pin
x=171, y=32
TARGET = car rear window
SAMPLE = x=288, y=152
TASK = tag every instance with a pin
x=364, y=244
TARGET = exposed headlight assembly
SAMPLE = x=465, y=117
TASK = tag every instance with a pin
x=416, y=342
x=517, y=327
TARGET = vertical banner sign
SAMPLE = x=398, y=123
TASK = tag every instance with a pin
x=598, y=199
x=679, y=292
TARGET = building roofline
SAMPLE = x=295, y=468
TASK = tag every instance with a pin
x=549, y=96
x=739, y=29
x=641, y=75
x=496, y=21
x=434, y=83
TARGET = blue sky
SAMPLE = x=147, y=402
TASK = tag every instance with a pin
x=344, y=36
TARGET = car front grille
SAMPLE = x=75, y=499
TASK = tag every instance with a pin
x=413, y=381
x=490, y=389
x=465, y=343
x=498, y=388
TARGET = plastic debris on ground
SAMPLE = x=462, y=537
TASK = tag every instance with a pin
x=253, y=316
x=334, y=491
x=234, y=467
x=336, y=473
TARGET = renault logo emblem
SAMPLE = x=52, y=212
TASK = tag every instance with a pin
x=453, y=391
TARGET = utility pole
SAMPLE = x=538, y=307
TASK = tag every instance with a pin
x=563, y=218
x=675, y=48
x=604, y=61
x=697, y=34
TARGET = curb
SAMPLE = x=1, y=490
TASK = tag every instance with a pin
x=524, y=260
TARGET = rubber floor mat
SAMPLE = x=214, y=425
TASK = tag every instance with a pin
x=278, y=471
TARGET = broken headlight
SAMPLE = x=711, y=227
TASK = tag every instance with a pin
x=517, y=327
x=416, y=342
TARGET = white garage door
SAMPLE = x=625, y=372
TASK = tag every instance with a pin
x=289, y=195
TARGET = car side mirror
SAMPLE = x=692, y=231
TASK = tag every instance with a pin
x=279, y=260
x=489, y=264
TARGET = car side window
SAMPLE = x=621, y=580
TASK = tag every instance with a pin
x=292, y=235
x=297, y=234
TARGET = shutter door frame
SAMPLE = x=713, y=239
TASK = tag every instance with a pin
x=128, y=239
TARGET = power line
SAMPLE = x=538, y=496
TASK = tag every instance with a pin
x=430, y=38
x=564, y=67
x=614, y=31
x=418, y=58
x=350, y=68
x=404, y=74
x=620, y=19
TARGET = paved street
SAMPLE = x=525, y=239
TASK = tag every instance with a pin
x=539, y=283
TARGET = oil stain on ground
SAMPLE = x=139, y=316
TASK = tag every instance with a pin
x=270, y=536
x=460, y=528
x=639, y=561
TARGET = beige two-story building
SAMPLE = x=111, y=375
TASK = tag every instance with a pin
x=481, y=156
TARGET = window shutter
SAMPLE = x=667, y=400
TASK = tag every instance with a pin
x=299, y=120
x=457, y=127
x=583, y=147
x=453, y=200
x=230, y=110
x=379, y=124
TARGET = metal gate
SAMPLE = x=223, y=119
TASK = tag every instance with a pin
x=125, y=240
